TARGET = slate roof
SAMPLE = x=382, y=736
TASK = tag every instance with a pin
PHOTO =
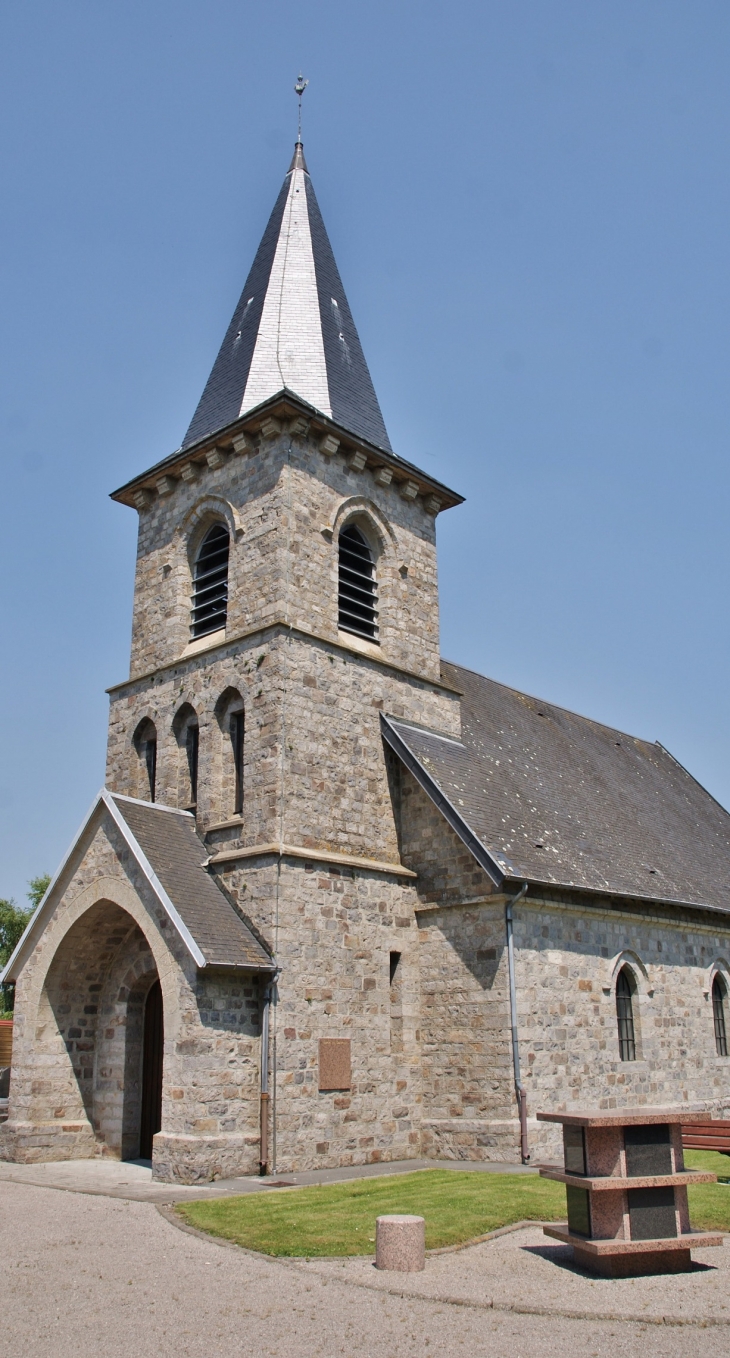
x=555, y=798
x=166, y=846
x=292, y=328
x=173, y=848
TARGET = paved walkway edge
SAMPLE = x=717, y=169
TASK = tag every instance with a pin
x=708, y=1322
x=72, y=1178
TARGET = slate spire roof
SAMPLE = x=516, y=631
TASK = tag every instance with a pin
x=292, y=328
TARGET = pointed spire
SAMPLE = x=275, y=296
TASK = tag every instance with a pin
x=297, y=161
x=292, y=328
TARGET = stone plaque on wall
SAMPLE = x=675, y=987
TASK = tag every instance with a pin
x=335, y=1070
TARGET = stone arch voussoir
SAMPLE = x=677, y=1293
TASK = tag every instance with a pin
x=359, y=507
x=117, y=892
x=628, y=958
x=203, y=514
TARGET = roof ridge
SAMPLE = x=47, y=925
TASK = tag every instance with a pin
x=548, y=702
x=684, y=769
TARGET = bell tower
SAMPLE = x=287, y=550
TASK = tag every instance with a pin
x=245, y=854
x=286, y=583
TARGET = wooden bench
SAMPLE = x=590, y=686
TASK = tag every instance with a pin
x=707, y=1136
x=6, y=1041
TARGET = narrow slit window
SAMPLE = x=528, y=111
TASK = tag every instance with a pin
x=358, y=593
x=145, y=745
x=625, y=1017
x=396, y=1003
x=718, y=1014
x=210, y=582
x=150, y=759
x=192, y=739
x=237, y=732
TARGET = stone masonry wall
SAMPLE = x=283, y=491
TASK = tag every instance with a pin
x=566, y=965
x=469, y=1109
x=284, y=503
x=447, y=872
x=314, y=766
x=336, y=931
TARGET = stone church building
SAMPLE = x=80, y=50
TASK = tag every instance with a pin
x=341, y=901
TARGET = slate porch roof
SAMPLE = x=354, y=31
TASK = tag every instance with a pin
x=166, y=846
x=170, y=842
x=551, y=797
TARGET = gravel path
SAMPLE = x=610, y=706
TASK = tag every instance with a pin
x=525, y=1270
x=82, y=1275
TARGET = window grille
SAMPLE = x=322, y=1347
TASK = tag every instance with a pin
x=718, y=1014
x=358, y=594
x=625, y=1016
x=210, y=582
x=150, y=759
x=237, y=729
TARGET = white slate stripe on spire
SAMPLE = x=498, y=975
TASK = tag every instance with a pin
x=289, y=349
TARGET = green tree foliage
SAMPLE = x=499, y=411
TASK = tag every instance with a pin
x=13, y=919
x=38, y=888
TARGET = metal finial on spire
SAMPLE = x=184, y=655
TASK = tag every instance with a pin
x=299, y=89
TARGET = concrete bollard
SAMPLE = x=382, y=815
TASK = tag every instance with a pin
x=400, y=1244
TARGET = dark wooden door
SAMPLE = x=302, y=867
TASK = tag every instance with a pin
x=152, y=1043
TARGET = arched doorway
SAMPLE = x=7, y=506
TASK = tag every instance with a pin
x=92, y=1032
x=152, y=1048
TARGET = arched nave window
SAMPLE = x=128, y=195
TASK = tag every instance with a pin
x=719, y=1001
x=625, y=988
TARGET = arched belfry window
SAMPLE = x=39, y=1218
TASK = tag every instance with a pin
x=625, y=1015
x=358, y=593
x=210, y=582
x=719, y=996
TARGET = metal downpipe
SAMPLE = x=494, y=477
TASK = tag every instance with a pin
x=265, y=1096
x=520, y=1090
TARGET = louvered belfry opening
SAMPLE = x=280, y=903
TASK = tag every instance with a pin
x=210, y=582
x=358, y=594
x=718, y=1014
x=625, y=1017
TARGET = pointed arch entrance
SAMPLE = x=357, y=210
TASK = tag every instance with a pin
x=101, y=1030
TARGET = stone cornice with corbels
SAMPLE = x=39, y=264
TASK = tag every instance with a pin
x=285, y=415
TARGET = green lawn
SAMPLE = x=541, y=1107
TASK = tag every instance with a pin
x=709, y=1204
x=339, y=1219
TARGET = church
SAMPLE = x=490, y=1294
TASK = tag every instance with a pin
x=340, y=901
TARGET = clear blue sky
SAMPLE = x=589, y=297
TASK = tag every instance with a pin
x=529, y=205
